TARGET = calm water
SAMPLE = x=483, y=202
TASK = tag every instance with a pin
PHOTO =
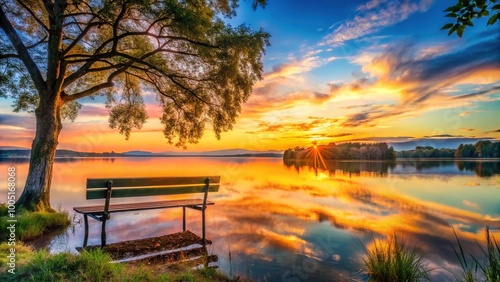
x=292, y=222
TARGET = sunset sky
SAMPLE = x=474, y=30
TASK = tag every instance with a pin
x=379, y=70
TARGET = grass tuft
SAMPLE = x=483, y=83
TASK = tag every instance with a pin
x=393, y=260
x=487, y=269
x=95, y=265
x=31, y=225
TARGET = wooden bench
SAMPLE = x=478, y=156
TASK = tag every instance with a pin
x=107, y=188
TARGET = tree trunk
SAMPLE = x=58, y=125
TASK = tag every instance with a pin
x=36, y=194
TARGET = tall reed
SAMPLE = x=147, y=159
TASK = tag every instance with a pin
x=486, y=269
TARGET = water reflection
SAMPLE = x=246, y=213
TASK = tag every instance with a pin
x=301, y=223
x=380, y=168
x=482, y=168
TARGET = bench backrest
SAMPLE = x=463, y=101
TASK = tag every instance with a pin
x=97, y=188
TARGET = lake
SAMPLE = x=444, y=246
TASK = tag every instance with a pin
x=294, y=221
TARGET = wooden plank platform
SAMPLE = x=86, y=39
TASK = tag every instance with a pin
x=178, y=243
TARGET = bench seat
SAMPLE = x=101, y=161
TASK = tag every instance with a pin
x=142, y=206
x=107, y=188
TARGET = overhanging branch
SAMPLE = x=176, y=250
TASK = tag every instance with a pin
x=33, y=15
x=22, y=51
x=90, y=91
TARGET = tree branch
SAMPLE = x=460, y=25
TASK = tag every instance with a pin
x=22, y=52
x=85, y=93
x=115, y=27
x=8, y=56
x=43, y=40
x=33, y=15
x=142, y=62
x=96, y=88
x=81, y=35
x=83, y=69
x=78, y=14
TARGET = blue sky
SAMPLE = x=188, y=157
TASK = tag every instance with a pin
x=336, y=71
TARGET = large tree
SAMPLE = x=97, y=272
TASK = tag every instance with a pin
x=55, y=52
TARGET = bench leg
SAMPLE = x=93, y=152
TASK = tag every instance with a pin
x=103, y=233
x=85, y=238
x=183, y=218
x=203, y=225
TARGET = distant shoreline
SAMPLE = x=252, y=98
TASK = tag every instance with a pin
x=62, y=153
x=403, y=159
x=156, y=156
x=274, y=156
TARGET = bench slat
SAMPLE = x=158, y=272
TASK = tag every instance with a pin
x=149, y=191
x=149, y=181
x=141, y=206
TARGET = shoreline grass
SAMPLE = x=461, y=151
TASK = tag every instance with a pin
x=486, y=269
x=31, y=225
x=393, y=260
x=90, y=265
x=95, y=265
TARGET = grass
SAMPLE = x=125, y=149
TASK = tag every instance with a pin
x=91, y=265
x=94, y=265
x=31, y=225
x=487, y=269
x=393, y=260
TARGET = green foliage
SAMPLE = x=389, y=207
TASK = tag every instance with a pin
x=426, y=152
x=70, y=110
x=89, y=266
x=30, y=225
x=392, y=260
x=481, y=149
x=92, y=265
x=467, y=10
x=24, y=254
x=344, y=151
x=185, y=277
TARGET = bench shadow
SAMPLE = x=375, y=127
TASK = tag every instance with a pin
x=181, y=247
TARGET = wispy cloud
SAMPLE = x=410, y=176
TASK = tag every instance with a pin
x=295, y=66
x=471, y=204
x=91, y=110
x=384, y=139
x=443, y=136
x=424, y=83
x=373, y=16
x=312, y=122
x=17, y=122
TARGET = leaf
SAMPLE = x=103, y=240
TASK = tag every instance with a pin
x=451, y=15
x=485, y=13
x=468, y=22
x=455, y=27
x=460, y=31
x=496, y=7
x=447, y=26
x=493, y=19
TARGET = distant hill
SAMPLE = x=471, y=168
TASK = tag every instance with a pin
x=18, y=152
x=451, y=143
x=227, y=152
x=138, y=153
x=12, y=148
